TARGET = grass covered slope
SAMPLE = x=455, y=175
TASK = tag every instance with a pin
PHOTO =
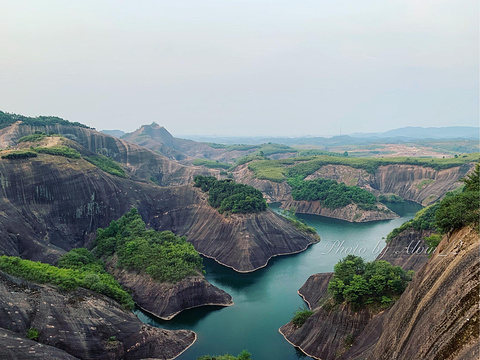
x=78, y=268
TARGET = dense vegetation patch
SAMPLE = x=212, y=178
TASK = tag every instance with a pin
x=330, y=193
x=212, y=164
x=359, y=283
x=226, y=195
x=460, y=209
x=244, y=355
x=424, y=220
x=300, y=316
x=162, y=255
x=7, y=119
x=78, y=268
x=59, y=150
x=106, y=164
x=21, y=154
x=38, y=136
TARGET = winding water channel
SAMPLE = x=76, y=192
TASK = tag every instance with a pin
x=266, y=299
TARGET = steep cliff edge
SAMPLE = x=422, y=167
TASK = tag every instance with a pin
x=415, y=183
x=244, y=242
x=52, y=204
x=411, y=182
x=139, y=162
x=437, y=317
x=407, y=250
x=351, y=213
x=166, y=300
x=80, y=323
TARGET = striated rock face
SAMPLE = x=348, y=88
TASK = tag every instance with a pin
x=416, y=183
x=315, y=288
x=51, y=204
x=16, y=347
x=350, y=212
x=437, y=317
x=324, y=333
x=81, y=323
x=407, y=249
x=244, y=242
x=273, y=191
x=166, y=300
x=140, y=162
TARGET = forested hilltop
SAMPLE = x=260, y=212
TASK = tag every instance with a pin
x=226, y=195
x=7, y=119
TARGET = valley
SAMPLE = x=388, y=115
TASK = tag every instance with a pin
x=264, y=218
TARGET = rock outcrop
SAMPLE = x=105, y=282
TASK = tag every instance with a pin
x=140, y=163
x=411, y=182
x=165, y=300
x=273, y=191
x=79, y=324
x=51, y=204
x=351, y=212
x=437, y=317
x=408, y=249
x=415, y=183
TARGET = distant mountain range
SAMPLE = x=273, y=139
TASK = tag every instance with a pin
x=418, y=132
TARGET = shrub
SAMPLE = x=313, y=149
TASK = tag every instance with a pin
x=300, y=316
x=358, y=283
x=33, y=334
x=33, y=138
x=424, y=220
x=59, y=150
x=211, y=164
x=68, y=278
x=19, y=155
x=106, y=164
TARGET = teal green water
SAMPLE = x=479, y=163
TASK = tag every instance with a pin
x=266, y=299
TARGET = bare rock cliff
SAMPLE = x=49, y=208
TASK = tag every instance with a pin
x=81, y=323
x=351, y=213
x=52, y=204
x=166, y=300
x=437, y=317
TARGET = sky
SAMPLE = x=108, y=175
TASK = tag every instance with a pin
x=243, y=68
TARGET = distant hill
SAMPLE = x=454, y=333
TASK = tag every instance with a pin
x=418, y=132
x=115, y=133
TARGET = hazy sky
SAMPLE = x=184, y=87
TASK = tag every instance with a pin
x=250, y=67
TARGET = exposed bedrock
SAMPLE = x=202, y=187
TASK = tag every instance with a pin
x=52, y=204
x=79, y=324
x=166, y=300
x=437, y=317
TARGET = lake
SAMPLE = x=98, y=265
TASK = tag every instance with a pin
x=266, y=299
